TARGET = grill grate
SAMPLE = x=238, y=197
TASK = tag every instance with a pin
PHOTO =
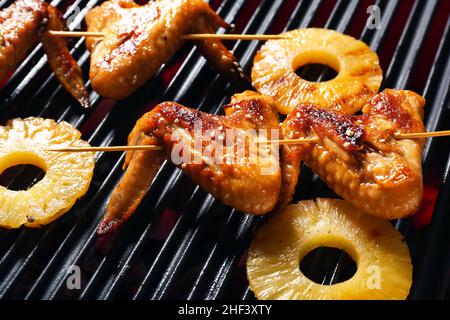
x=181, y=243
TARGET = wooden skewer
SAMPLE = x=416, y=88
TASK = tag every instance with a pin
x=418, y=135
x=281, y=142
x=155, y=147
x=104, y=149
x=76, y=34
x=197, y=36
x=292, y=141
x=233, y=36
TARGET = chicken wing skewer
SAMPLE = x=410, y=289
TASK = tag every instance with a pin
x=359, y=156
x=242, y=180
x=139, y=39
x=22, y=25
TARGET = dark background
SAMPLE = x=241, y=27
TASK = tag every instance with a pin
x=181, y=243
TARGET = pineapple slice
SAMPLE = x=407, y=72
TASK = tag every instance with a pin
x=383, y=262
x=67, y=178
x=359, y=73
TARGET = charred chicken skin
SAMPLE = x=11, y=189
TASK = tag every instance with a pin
x=359, y=156
x=26, y=22
x=237, y=179
x=139, y=39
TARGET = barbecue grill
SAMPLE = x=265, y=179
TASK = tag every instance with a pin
x=182, y=243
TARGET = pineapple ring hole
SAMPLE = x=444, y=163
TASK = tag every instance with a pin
x=32, y=170
x=316, y=66
x=317, y=263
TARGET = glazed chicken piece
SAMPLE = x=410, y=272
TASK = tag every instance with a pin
x=248, y=181
x=22, y=25
x=139, y=39
x=358, y=156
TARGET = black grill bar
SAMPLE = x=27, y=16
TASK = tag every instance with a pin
x=202, y=254
x=433, y=276
x=175, y=260
x=437, y=94
x=411, y=42
x=342, y=15
x=388, y=9
x=438, y=84
x=405, y=56
x=5, y=3
x=432, y=269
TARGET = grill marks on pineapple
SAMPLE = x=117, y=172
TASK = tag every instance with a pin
x=67, y=178
x=358, y=78
x=274, y=269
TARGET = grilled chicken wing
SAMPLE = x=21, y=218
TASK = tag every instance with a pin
x=139, y=39
x=19, y=24
x=22, y=25
x=247, y=181
x=61, y=61
x=358, y=156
